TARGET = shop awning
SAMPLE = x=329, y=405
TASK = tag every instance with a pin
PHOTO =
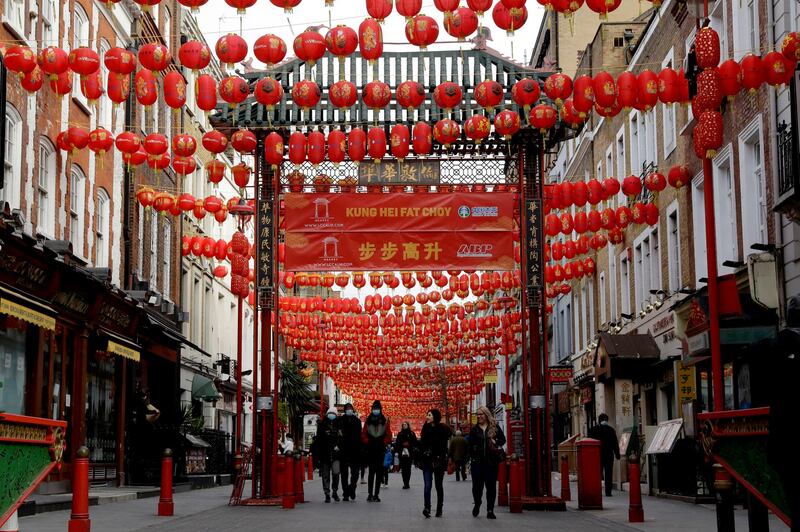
x=630, y=346
x=194, y=441
x=27, y=309
x=119, y=346
x=204, y=388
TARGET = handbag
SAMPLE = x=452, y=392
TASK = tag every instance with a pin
x=451, y=467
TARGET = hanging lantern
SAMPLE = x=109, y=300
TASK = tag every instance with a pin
x=287, y=5
x=155, y=57
x=53, y=61
x=75, y=138
x=32, y=81
x=206, y=93
x=185, y=202
x=627, y=90
x=62, y=85
x=194, y=55
x=446, y=132
x=422, y=31
x=370, y=40
x=231, y=48
x=507, y=19
x=212, y=204
x=479, y=6
x=525, y=93
x=145, y=87
x=622, y=216
x=343, y=95
x=477, y=128
x=399, y=141
x=711, y=130
x=341, y=41
x=83, y=61
x=566, y=224
x=379, y=9
x=174, y=89
x=336, y=141
x=605, y=90
x=558, y=87
x=422, y=138
x=155, y=144
x=603, y=7
x=507, y=123
x=595, y=191
x=376, y=143
x=20, y=59
x=199, y=212
x=158, y=162
x=273, y=150
x=215, y=141
x=668, y=86
x=583, y=95
x=461, y=23
x=316, y=147
x=120, y=61
x=100, y=141
x=446, y=6
x=243, y=141
x=790, y=46
x=306, y=94
x=309, y=47
x=778, y=69
x=611, y=187
x=647, y=83
x=753, y=72
x=730, y=76
x=241, y=175
x=489, y=94
x=543, y=117
x=408, y=8
x=706, y=47
x=145, y=196
x=234, y=90
x=269, y=49
x=631, y=186
x=638, y=213
x=410, y=95
x=184, y=165
x=655, y=182
x=377, y=95
x=297, y=148
x=91, y=86
x=709, y=91
x=127, y=142
x=569, y=115
x=683, y=88
x=447, y=95
x=356, y=145
x=215, y=170
x=678, y=176
x=651, y=214
x=184, y=145
x=268, y=92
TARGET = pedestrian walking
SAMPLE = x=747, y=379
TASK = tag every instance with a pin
x=388, y=460
x=351, y=451
x=486, y=441
x=459, y=452
x=376, y=435
x=609, y=449
x=326, y=448
x=433, y=458
x=406, y=443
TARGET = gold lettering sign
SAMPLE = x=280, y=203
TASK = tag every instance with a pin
x=408, y=172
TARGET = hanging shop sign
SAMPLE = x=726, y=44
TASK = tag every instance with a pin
x=408, y=172
x=490, y=378
x=491, y=251
x=559, y=375
x=686, y=383
x=399, y=212
x=533, y=256
x=266, y=237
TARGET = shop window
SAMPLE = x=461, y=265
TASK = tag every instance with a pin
x=46, y=193
x=102, y=231
x=12, y=364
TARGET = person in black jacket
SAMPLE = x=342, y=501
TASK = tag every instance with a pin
x=433, y=457
x=405, y=444
x=609, y=449
x=376, y=434
x=326, y=453
x=486, y=442
x=351, y=447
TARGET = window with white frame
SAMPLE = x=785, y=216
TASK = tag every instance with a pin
x=104, y=108
x=725, y=208
x=620, y=153
x=140, y=247
x=584, y=317
x=699, y=229
x=166, y=257
x=77, y=186
x=646, y=265
x=80, y=37
x=745, y=28
x=191, y=104
x=590, y=313
x=49, y=11
x=669, y=126
x=576, y=331
x=609, y=163
x=599, y=174
x=12, y=176
x=673, y=247
x=167, y=33
x=46, y=189
x=153, y=250
x=717, y=22
x=613, y=283
x=651, y=137
x=625, y=283
x=14, y=15
x=601, y=290
x=635, y=119
x=754, y=202
x=102, y=230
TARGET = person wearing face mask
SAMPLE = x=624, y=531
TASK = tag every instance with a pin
x=486, y=442
x=609, y=449
x=433, y=448
x=351, y=447
x=405, y=443
x=376, y=435
x=326, y=451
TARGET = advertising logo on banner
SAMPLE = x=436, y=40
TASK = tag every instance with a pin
x=400, y=251
x=399, y=212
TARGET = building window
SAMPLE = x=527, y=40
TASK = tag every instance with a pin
x=620, y=164
x=10, y=192
x=754, y=210
x=699, y=229
x=612, y=282
x=745, y=27
x=167, y=33
x=153, y=250
x=625, y=283
x=576, y=325
x=673, y=247
x=77, y=185
x=102, y=230
x=668, y=112
x=49, y=13
x=80, y=37
x=14, y=14
x=166, y=257
x=646, y=266
x=103, y=105
x=601, y=288
x=590, y=314
x=635, y=137
x=619, y=42
x=725, y=209
x=650, y=140
x=46, y=189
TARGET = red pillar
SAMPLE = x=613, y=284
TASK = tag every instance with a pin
x=516, y=483
x=717, y=385
x=256, y=473
x=79, y=518
x=299, y=494
x=166, y=506
x=565, y=491
x=310, y=467
x=635, y=510
x=238, y=442
x=590, y=488
x=502, y=484
x=288, y=483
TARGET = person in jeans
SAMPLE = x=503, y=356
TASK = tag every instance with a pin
x=406, y=442
x=351, y=451
x=486, y=442
x=433, y=448
x=376, y=435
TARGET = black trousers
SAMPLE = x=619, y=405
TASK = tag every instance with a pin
x=484, y=475
x=375, y=478
x=349, y=476
x=608, y=474
x=405, y=469
x=461, y=470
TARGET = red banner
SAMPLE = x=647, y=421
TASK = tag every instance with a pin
x=335, y=213
x=399, y=251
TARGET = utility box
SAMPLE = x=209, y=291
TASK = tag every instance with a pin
x=590, y=488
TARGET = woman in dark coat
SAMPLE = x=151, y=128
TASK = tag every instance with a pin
x=433, y=457
x=486, y=441
x=376, y=435
x=405, y=443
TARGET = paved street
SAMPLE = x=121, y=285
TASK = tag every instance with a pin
x=207, y=510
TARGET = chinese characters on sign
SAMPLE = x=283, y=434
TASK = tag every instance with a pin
x=687, y=389
x=533, y=254
x=265, y=280
x=626, y=403
x=409, y=172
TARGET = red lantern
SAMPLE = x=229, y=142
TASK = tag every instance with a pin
x=479, y=6
x=316, y=147
x=651, y=214
x=194, y=55
x=100, y=141
x=753, y=72
x=569, y=115
x=273, y=149
x=356, y=145
x=174, y=89
x=62, y=85
x=145, y=196
x=709, y=92
x=611, y=187
x=91, y=86
x=790, y=47
x=446, y=132
x=608, y=219
x=706, y=48
x=183, y=165
x=127, y=142
x=155, y=57
x=525, y=93
x=341, y=41
x=343, y=94
x=309, y=46
x=184, y=145
x=627, y=90
x=241, y=175
x=408, y=8
x=83, y=61
x=19, y=59
x=605, y=90
x=212, y=204
x=447, y=95
x=337, y=146
x=711, y=131
x=543, y=117
x=377, y=95
x=655, y=182
x=53, y=61
x=32, y=81
x=422, y=138
x=778, y=69
x=268, y=92
x=145, y=87
x=678, y=176
x=306, y=94
x=214, y=141
x=269, y=49
x=638, y=213
x=215, y=171
x=461, y=23
x=297, y=148
x=668, y=85
x=243, y=141
x=120, y=61
x=410, y=94
x=446, y=6
x=566, y=224
x=376, y=143
x=507, y=123
x=379, y=9
x=399, y=140
x=489, y=94
x=231, y=48
x=234, y=90
x=631, y=186
x=583, y=95
x=603, y=7
x=287, y=5
x=422, y=31
x=730, y=75
x=155, y=144
x=552, y=225
x=477, y=128
x=558, y=87
x=507, y=19
x=622, y=216
x=370, y=40
x=206, y=93
x=158, y=162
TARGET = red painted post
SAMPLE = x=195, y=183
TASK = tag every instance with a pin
x=288, y=483
x=502, y=484
x=79, y=518
x=635, y=509
x=166, y=506
x=299, y=494
x=590, y=489
x=516, y=473
x=279, y=462
x=310, y=467
x=565, y=493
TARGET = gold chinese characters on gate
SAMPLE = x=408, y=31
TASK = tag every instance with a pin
x=408, y=172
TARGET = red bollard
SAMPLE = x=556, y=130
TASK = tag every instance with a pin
x=635, y=509
x=590, y=487
x=276, y=479
x=565, y=493
x=288, y=483
x=79, y=518
x=165, y=505
x=515, y=474
x=299, y=494
x=310, y=467
x=502, y=484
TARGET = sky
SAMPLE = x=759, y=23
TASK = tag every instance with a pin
x=216, y=18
